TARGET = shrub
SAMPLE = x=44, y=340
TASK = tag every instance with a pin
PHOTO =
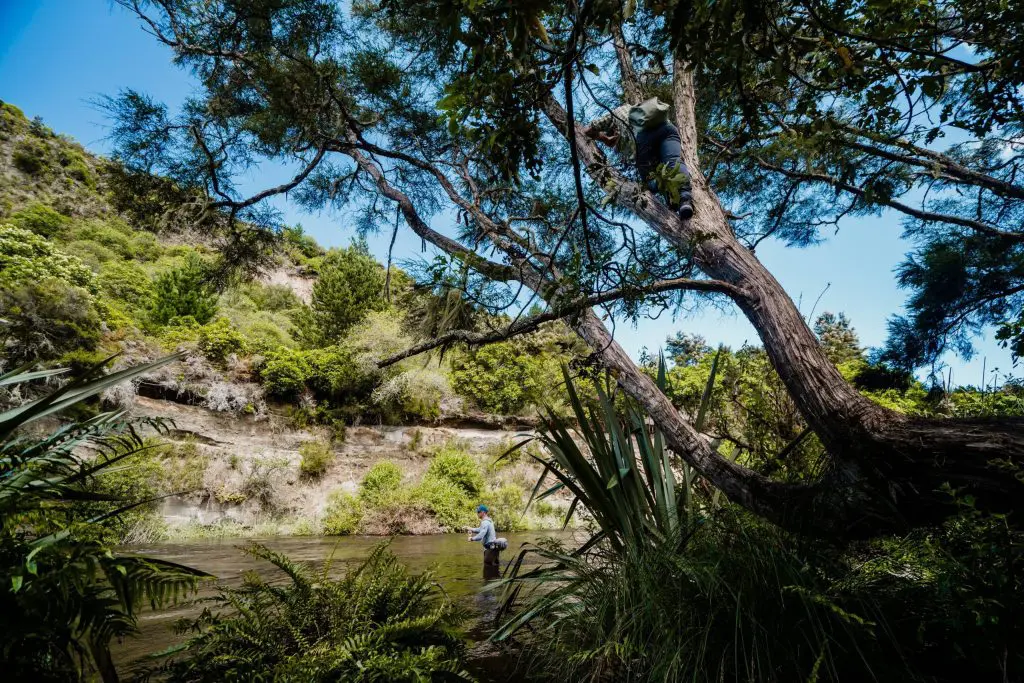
x=501, y=378
x=76, y=168
x=184, y=291
x=343, y=514
x=127, y=282
x=26, y=256
x=219, y=339
x=285, y=372
x=448, y=502
x=506, y=507
x=380, y=483
x=66, y=595
x=31, y=156
x=115, y=236
x=459, y=468
x=316, y=457
x=376, y=622
x=271, y=298
x=259, y=483
x=40, y=219
x=47, y=318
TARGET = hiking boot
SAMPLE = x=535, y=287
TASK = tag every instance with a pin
x=685, y=210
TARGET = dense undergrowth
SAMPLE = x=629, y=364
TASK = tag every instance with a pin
x=676, y=584
x=376, y=622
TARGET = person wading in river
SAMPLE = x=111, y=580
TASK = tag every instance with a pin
x=643, y=132
x=487, y=535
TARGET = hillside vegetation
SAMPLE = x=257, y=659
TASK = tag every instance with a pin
x=97, y=262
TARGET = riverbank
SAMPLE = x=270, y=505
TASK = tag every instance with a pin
x=227, y=476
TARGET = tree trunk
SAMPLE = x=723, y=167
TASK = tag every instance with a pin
x=888, y=471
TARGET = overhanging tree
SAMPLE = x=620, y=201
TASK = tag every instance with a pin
x=804, y=113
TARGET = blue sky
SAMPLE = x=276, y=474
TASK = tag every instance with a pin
x=58, y=56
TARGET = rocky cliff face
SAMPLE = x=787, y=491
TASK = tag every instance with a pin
x=249, y=472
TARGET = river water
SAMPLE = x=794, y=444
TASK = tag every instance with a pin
x=457, y=564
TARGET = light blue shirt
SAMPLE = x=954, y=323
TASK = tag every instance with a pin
x=485, y=532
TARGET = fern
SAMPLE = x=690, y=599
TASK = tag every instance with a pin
x=376, y=622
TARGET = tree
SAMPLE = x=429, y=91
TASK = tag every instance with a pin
x=686, y=349
x=184, y=291
x=350, y=99
x=838, y=337
x=350, y=284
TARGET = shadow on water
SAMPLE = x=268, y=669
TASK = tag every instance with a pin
x=456, y=563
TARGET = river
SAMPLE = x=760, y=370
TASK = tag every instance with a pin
x=457, y=564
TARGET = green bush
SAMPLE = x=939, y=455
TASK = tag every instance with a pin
x=47, y=318
x=127, y=283
x=115, y=236
x=66, y=595
x=40, y=219
x=459, y=468
x=506, y=507
x=284, y=373
x=32, y=156
x=316, y=457
x=26, y=256
x=76, y=168
x=343, y=514
x=184, y=291
x=219, y=339
x=503, y=379
x=380, y=483
x=448, y=502
x=374, y=623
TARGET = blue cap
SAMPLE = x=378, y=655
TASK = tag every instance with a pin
x=482, y=508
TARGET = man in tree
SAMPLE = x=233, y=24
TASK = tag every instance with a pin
x=803, y=113
x=644, y=131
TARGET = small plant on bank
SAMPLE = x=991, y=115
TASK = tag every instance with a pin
x=459, y=468
x=380, y=483
x=316, y=458
x=343, y=514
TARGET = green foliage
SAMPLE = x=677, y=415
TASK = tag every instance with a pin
x=184, y=291
x=126, y=283
x=376, y=622
x=219, y=339
x=343, y=514
x=32, y=156
x=66, y=595
x=506, y=505
x=26, y=256
x=285, y=372
x=316, y=457
x=380, y=483
x=349, y=285
x=40, y=219
x=448, y=502
x=504, y=378
x=46, y=318
x=458, y=467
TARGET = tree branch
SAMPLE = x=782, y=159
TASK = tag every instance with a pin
x=531, y=323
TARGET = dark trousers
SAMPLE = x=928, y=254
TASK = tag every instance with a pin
x=658, y=146
x=492, y=564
